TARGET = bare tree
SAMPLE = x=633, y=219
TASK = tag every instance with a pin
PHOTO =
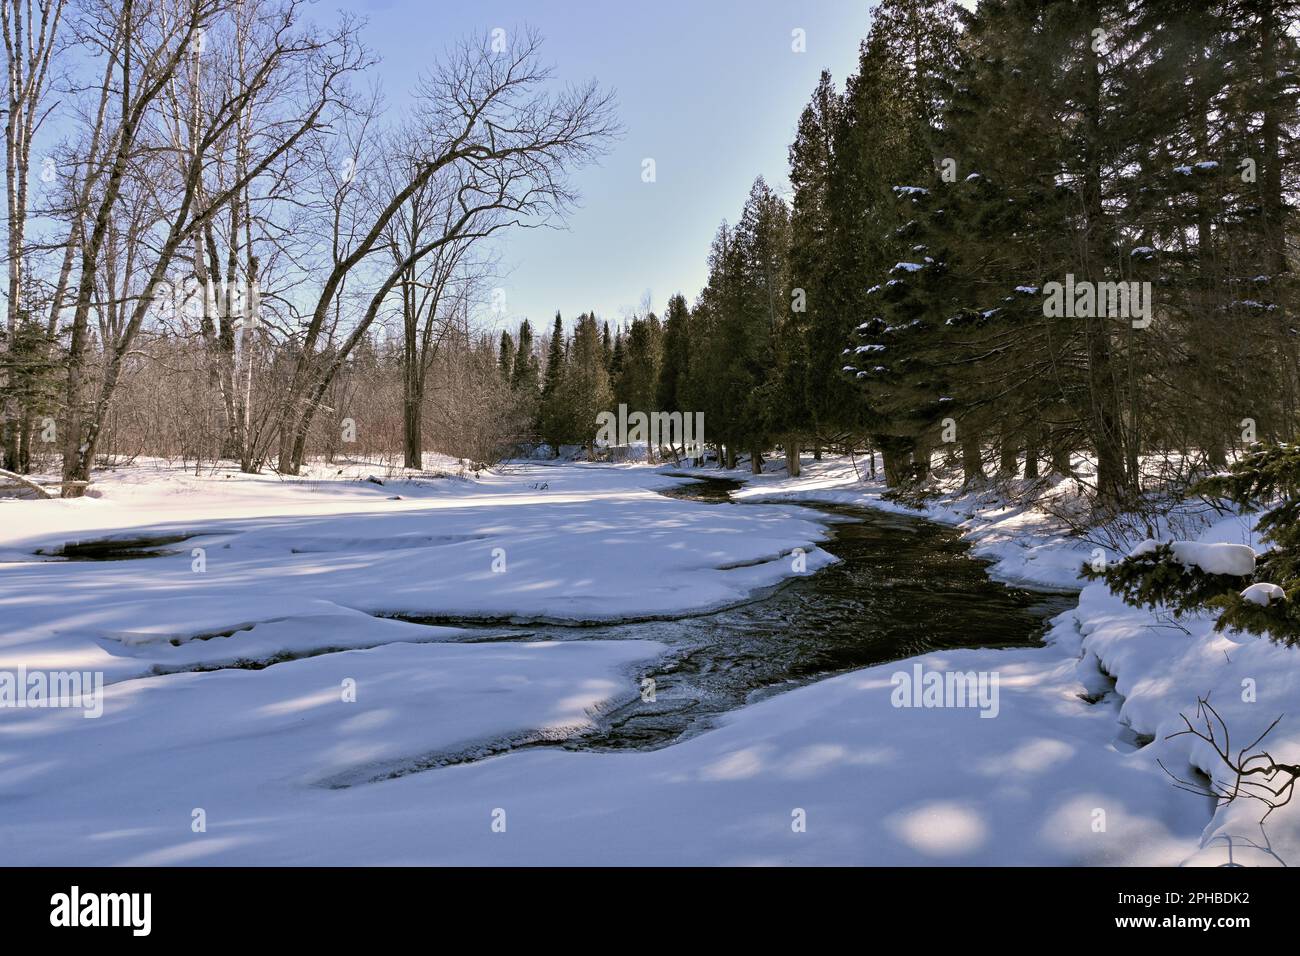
x=501, y=143
x=30, y=33
x=430, y=291
x=158, y=37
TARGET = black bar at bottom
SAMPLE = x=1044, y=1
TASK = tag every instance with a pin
x=331, y=905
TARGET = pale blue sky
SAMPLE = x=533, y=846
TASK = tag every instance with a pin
x=710, y=89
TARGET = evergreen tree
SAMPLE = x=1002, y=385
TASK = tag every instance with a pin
x=523, y=378
x=670, y=391
x=638, y=374
x=824, y=405
x=31, y=368
x=553, y=424
x=763, y=240
x=607, y=350
x=506, y=356
x=1265, y=601
x=884, y=138
x=616, y=357
x=585, y=390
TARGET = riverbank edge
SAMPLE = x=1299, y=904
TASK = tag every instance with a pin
x=1153, y=667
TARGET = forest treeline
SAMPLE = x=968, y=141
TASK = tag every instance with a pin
x=905, y=296
x=230, y=247
x=901, y=299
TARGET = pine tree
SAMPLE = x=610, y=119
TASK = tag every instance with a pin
x=616, y=358
x=506, y=356
x=553, y=424
x=30, y=382
x=1266, y=601
x=711, y=385
x=670, y=390
x=884, y=138
x=638, y=374
x=763, y=238
x=824, y=405
x=523, y=377
x=585, y=390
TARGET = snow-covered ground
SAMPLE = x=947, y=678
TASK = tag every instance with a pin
x=317, y=759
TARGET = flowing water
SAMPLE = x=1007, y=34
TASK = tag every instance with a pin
x=903, y=586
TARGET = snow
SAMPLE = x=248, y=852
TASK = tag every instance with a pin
x=286, y=769
x=1210, y=557
x=1263, y=594
x=1144, y=548
x=338, y=552
x=1216, y=558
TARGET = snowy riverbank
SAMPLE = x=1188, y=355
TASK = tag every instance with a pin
x=1151, y=667
x=310, y=760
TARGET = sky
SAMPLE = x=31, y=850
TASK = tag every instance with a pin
x=711, y=90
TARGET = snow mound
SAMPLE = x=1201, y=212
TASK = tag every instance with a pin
x=1236, y=559
x=1212, y=558
x=1263, y=594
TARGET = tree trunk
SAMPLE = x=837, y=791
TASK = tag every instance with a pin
x=1033, y=450
x=972, y=461
x=756, y=462
x=413, y=430
x=792, y=456
x=896, y=456
x=23, y=480
x=1105, y=419
x=1061, y=452
x=1008, y=456
x=922, y=460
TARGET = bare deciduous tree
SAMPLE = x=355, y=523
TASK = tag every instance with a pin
x=502, y=142
x=159, y=36
x=30, y=34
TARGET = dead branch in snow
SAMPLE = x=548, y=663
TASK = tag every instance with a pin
x=1256, y=775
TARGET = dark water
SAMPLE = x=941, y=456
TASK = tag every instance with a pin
x=117, y=548
x=903, y=587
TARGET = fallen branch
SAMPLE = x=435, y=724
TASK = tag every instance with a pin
x=24, y=480
x=1276, y=781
